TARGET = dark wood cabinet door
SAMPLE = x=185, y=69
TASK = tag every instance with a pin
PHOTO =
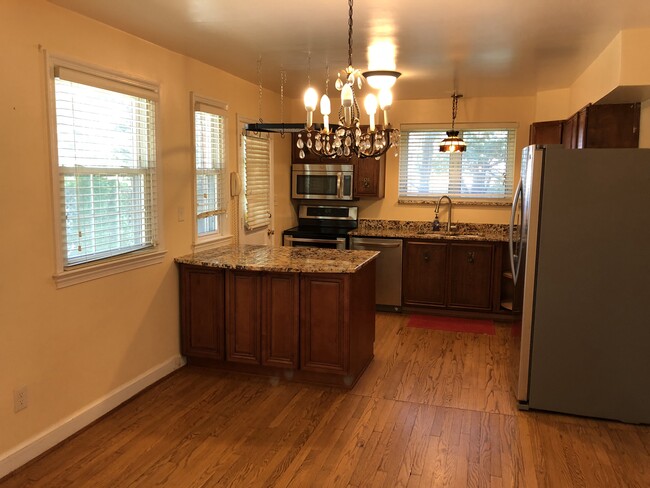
x=471, y=275
x=324, y=335
x=244, y=305
x=280, y=320
x=570, y=132
x=369, y=177
x=612, y=125
x=202, y=312
x=424, y=273
x=548, y=132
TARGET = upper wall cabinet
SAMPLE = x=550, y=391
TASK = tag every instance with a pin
x=548, y=132
x=613, y=125
x=594, y=126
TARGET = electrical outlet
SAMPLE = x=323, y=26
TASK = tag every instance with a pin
x=20, y=399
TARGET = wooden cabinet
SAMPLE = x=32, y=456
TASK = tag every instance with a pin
x=280, y=320
x=369, y=177
x=244, y=313
x=458, y=275
x=203, y=312
x=593, y=126
x=337, y=322
x=323, y=324
x=471, y=275
x=612, y=125
x=548, y=132
x=315, y=327
x=424, y=273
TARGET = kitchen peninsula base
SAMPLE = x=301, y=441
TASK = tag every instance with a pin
x=289, y=322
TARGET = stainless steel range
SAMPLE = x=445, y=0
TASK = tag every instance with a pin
x=324, y=226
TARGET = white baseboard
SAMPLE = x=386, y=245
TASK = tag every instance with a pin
x=37, y=445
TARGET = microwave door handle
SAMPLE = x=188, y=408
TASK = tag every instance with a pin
x=339, y=185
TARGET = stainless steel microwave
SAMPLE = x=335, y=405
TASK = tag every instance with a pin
x=322, y=181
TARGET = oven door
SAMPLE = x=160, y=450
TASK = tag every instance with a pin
x=322, y=242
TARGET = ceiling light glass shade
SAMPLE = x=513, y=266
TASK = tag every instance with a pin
x=381, y=79
x=453, y=143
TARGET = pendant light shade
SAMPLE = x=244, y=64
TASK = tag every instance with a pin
x=453, y=142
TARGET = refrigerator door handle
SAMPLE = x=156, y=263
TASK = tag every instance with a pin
x=514, y=266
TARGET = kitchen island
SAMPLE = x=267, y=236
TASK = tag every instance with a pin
x=302, y=314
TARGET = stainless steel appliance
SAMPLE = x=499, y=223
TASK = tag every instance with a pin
x=322, y=226
x=585, y=228
x=388, y=277
x=322, y=181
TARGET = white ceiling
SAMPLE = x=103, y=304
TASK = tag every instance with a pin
x=481, y=48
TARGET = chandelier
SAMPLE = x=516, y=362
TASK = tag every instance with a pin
x=453, y=143
x=347, y=137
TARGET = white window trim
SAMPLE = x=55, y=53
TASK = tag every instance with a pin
x=203, y=243
x=506, y=201
x=97, y=269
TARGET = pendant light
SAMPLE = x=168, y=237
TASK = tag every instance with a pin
x=453, y=143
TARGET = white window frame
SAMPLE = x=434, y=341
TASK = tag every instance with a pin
x=224, y=236
x=469, y=200
x=103, y=78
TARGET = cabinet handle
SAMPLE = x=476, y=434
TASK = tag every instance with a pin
x=366, y=182
x=426, y=257
x=470, y=257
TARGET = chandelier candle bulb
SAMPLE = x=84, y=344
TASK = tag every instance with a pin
x=385, y=102
x=370, y=104
x=346, y=100
x=325, y=110
x=310, y=99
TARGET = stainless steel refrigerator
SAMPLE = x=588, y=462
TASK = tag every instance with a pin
x=582, y=247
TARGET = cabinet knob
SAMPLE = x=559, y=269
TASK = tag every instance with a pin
x=366, y=182
x=426, y=256
x=470, y=257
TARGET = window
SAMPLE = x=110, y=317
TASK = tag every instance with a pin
x=210, y=167
x=485, y=171
x=257, y=180
x=105, y=165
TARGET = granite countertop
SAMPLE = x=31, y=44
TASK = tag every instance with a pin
x=281, y=259
x=422, y=230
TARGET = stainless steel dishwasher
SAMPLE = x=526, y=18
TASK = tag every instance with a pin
x=388, y=294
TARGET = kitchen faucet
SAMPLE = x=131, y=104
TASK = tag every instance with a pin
x=437, y=210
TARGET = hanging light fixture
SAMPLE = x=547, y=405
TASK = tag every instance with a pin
x=346, y=138
x=453, y=143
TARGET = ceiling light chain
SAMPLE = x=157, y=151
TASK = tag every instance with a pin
x=259, y=82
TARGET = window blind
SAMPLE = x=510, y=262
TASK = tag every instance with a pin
x=210, y=155
x=257, y=181
x=106, y=148
x=484, y=171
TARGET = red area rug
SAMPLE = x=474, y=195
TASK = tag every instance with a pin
x=452, y=324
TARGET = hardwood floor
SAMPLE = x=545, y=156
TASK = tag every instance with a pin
x=433, y=409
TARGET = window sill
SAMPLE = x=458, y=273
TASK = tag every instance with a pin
x=211, y=243
x=119, y=265
x=457, y=203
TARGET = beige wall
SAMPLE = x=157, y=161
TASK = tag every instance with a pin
x=74, y=345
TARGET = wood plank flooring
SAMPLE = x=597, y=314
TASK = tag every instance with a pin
x=433, y=409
